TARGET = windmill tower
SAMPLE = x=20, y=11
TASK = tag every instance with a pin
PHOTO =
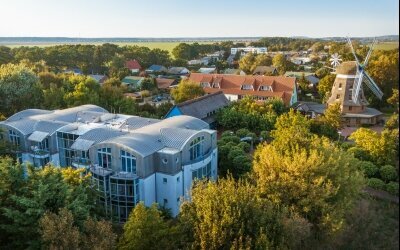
x=348, y=92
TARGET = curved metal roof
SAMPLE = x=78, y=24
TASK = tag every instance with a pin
x=27, y=113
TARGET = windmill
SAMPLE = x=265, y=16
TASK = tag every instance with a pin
x=362, y=76
x=335, y=60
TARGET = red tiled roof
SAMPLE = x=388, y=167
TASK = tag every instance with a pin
x=133, y=64
x=282, y=86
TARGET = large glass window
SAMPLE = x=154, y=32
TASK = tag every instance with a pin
x=14, y=137
x=128, y=162
x=104, y=157
x=196, y=148
x=203, y=172
x=67, y=154
x=124, y=196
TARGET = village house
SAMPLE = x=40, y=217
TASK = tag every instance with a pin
x=133, y=66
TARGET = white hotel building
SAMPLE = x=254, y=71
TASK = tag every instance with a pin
x=245, y=50
x=131, y=158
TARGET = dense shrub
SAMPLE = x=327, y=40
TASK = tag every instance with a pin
x=264, y=135
x=369, y=169
x=359, y=153
x=388, y=173
x=231, y=138
x=245, y=146
x=227, y=133
x=376, y=183
x=242, y=132
x=393, y=188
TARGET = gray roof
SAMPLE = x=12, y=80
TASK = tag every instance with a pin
x=27, y=113
x=38, y=136
x=202, y=106
x=176, y=137
x=82, y=144
x=30, y=120
x=171, y=132
x=368, y=113
x=312, y=79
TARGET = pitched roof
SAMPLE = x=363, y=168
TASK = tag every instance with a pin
x=99, y=78
x=156, y=68
x=164, y=83
x=262, y=70
x=207, y=70
x=133, y=64
x=202, y=106
x=282, y=86
x=134, y=80
x=312, y=79
x=177, y=70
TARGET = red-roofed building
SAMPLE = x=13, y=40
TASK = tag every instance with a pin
x=235, y=87
x=133, y=66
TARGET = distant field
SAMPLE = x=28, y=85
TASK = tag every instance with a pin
x=152, y=45
x=387, y=45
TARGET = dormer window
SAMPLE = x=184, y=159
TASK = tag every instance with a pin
x=205, y=84
x=216, y=86
x=247, y=87
x=265, y=88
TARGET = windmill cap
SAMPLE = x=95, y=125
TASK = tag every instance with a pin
x=347, y=68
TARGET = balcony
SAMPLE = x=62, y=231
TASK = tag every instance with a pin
x=81, y=162
x=39, y=153
x=201, y=158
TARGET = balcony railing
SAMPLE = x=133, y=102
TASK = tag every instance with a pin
x=201, y=158
x=81, y=161
x=39, y=153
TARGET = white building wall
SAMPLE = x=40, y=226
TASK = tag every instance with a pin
x=169, y=191
x=147, y=190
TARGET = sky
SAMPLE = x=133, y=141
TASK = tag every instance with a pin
x=198, y=18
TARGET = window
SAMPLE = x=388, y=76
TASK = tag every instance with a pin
x=340, y=86
x=178, y=179
x=165, y=161
x=128, y=162
x=104, y=157
x=203, y=172
x=14, y=137
x=165, y=180
x=165, y=202
x=247, y=87
x=266, y=88
x=196, y=148
x=337, y=96
x=204, y=84
x=350, y=108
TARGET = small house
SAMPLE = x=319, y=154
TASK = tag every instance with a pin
x=133, y=66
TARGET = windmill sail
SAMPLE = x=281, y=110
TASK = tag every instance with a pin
x=362, y=76
x=357, y=85
x=372, y=85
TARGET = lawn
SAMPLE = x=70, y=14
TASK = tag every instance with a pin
x=387, y=46
x=152, y=45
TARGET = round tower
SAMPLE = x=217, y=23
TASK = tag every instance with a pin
x=346, y=76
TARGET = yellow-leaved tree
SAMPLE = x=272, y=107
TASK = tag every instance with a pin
x=307, y=173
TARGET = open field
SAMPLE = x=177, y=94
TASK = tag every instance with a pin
x=152, y=45
x=387, y=45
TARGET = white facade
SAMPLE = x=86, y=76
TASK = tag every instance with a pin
x=257, y=50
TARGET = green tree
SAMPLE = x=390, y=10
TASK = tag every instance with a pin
x=246, y=63
x=86, y=91
x=262, y=60
x=333, y=116
x=58, y=231
x=185, y=51
x=320, y=182
x=19, y=89
x=187, y=90
x=279, y=61
x=148, y=84
x=26, y=194
x=53, y=97
x=228, y=215
x=325, y=86
x=145, y=229
x=381, y=147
